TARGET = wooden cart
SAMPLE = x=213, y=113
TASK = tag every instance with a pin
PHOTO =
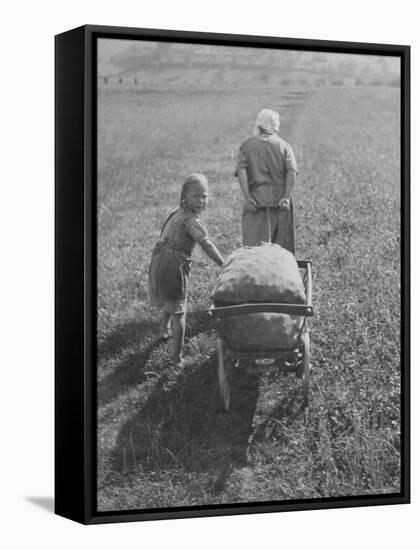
x=301, y=352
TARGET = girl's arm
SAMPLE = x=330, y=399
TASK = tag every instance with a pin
x=243, y=182
x=211, y=250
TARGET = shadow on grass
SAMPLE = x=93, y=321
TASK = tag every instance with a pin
x=129, y=371
x=124, y=336
x=184, y=428
x=198, y=321
x=289, y=408
x=135, y=332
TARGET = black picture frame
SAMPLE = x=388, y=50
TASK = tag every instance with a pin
x=75, y=272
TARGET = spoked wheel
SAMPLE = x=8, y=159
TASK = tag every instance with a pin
x=306, y=367
x=224, y=376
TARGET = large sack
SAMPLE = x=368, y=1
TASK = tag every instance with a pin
x=261, y=331
x=264, y=273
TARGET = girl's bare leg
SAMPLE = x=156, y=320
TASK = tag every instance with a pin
x=165, y=325
x=178, y=331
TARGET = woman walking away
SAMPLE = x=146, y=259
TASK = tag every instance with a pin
x=171, y=260
x=267, y=170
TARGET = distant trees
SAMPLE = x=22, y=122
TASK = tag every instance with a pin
x=267, y=65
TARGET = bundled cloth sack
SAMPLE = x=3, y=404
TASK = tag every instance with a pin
x=262, y=331
x=263, y=273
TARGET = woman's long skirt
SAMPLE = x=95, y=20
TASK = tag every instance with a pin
x=255, y=227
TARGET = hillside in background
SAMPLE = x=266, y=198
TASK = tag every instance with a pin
x=173, y=64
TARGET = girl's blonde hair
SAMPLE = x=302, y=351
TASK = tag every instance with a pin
x=191, y=180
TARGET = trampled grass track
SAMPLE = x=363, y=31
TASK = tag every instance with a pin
x=162, y=438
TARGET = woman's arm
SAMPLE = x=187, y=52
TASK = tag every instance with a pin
x=290, y=183
x=243, y=182
x=212, y=252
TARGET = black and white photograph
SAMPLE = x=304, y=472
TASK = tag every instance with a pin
x=249, y=224
x=209, y=283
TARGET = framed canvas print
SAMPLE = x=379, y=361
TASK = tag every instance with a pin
x=232, y=274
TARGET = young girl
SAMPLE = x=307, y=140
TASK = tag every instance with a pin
x=171, y=260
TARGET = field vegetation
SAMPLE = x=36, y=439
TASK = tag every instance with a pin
x=163, y=439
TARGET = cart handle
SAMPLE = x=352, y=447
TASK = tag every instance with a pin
x=304, y=263
x=305, y=310
x=244, y=309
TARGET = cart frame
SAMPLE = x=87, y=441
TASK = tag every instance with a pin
x=227, y=355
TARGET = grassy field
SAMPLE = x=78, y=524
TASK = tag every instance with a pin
x=162, y=437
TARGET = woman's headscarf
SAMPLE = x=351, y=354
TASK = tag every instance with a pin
x=268, y=121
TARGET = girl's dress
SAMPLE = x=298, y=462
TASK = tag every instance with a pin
x=171, y=259
x=267, y=158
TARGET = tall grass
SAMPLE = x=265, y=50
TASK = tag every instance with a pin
x=162, y=438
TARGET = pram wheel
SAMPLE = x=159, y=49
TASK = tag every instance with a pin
x=224, y=374
x=306, y=342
